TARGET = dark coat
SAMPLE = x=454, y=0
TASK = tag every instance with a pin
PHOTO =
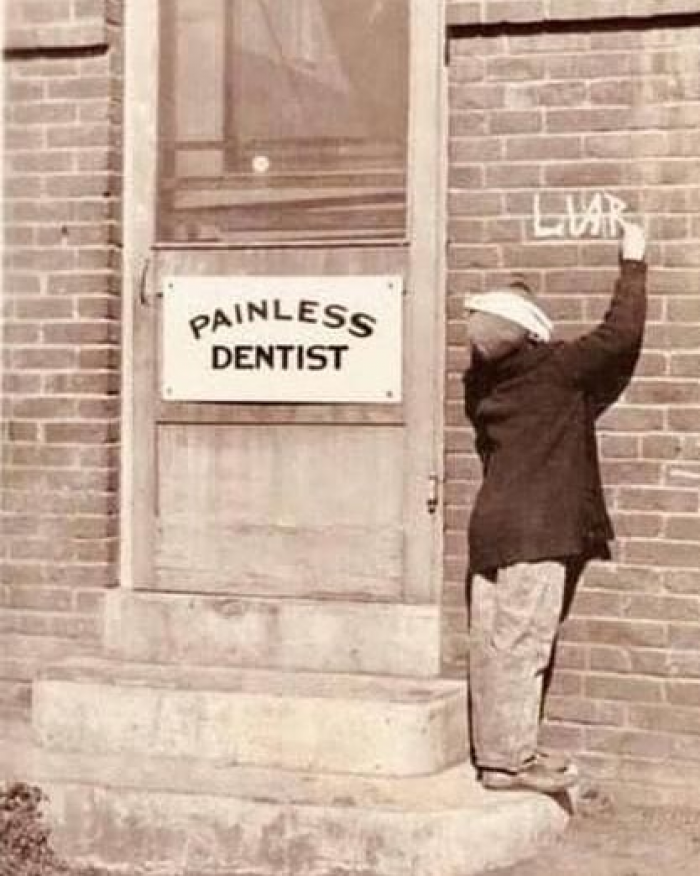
x=534, y=415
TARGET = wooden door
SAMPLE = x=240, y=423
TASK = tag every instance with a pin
x=304, y=500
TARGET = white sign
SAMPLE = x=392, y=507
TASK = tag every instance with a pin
x=282, y=339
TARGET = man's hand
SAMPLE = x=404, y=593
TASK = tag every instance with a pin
x=634, y=243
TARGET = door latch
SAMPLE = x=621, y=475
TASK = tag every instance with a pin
x=144, y=277
x=433, y=499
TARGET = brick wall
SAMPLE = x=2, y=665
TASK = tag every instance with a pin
x=60, y=335
x=589, y=113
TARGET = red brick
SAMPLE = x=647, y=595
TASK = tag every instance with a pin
x=585, y=120
x=662, y=446
x=477, y=97
x=593, y=603
x=540, y=255
x=49, y=599
x=83, y=332
x=584, y=174
x=684, y=636
x=582, y=711
x=468, y=124
x=684, y=528
x=41, y=308
x=558, y=735
x=648, y=634
x=80, y=88
x=657, y=499
x=674, y=554
x=44, y=113
x=80, y=433
x=41, y=162
x=543, y=148
x=675, y=608
x=685, y=419
x=621, y=446
x=665, y=719
x=609, y=658
x=43, y=408
x=567, y=683
x=513, y=68
x=623, y=472
x=480, y=204
x=20, y=384
x=571, y=656
x=513, y=176
x=664, y=392
x=546, y=94
x=638, y=525
x=685, y=664
x=633, y=419
x=516, y=121
x=622, y=687
x=514, y=10
x=684, y=693
x=43, y=359
x=629, y=742
x=79, y=185
x=40, y=455
x=466, y=176
x=473, y=257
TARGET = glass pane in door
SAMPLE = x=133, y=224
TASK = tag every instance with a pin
x=283, y=119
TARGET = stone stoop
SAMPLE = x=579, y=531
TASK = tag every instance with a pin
x=277, y=738
x=175, y=816
x=287, y=634
x=321, y=722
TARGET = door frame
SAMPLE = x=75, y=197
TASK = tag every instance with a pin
x=424, y=369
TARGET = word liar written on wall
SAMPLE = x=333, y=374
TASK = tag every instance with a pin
x=282, y=339
x=584, y=214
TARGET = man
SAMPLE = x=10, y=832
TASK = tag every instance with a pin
x=540, y=513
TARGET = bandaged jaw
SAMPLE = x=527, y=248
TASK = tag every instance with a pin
x=509, y=305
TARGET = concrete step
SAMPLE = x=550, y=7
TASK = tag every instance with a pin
x=373, y=725
x=315, y=635
x=178, y=815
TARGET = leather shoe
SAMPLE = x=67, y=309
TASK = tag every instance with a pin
x=533, y=777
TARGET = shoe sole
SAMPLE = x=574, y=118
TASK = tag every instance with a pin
x=564, y=782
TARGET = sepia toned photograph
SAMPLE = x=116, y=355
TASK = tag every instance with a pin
x=350, y=438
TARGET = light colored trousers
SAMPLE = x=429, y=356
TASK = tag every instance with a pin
x=514, y=619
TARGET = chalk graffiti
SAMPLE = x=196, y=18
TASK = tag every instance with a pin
x=583, y=215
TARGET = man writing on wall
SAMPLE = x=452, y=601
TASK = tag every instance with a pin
x=540, y=513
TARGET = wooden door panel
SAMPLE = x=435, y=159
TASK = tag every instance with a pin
x=295, y=510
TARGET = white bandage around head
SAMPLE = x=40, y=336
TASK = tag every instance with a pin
x=510, y=305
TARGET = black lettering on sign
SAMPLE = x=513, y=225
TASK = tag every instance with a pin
x=242, y=354
x=362, y=325
x=220, y=319
x=285, y=352
x=198, y=324
x=307, y=311
x=258, y=309
x=221, y=357
x=265, y=355
x=278, y=311
x=317, y=358
x=335, y=316
x=283, y=357
x=338, y=352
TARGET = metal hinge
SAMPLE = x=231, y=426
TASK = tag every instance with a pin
x=433, y=500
